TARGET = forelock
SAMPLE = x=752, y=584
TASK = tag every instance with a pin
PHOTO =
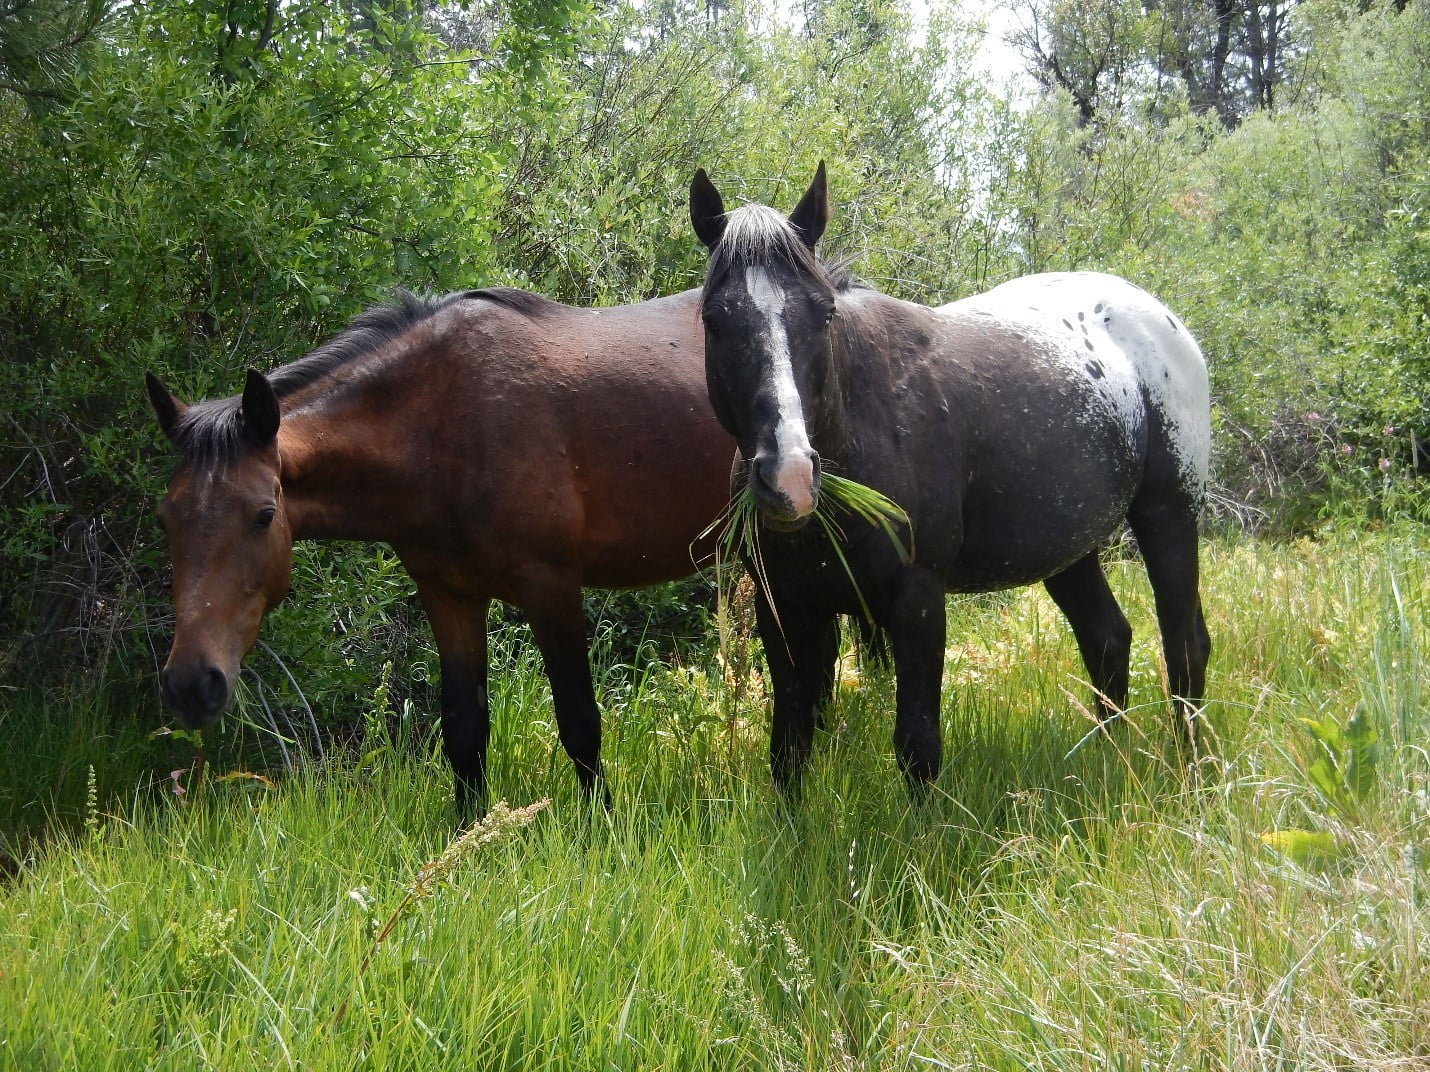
x=211, y=433
x=757, y=236
x=756, y=233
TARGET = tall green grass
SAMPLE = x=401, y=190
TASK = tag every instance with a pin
x=1056, y=904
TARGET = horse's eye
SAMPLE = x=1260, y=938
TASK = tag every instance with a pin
x=711, y=326
x=265, y=516
x=826, y=315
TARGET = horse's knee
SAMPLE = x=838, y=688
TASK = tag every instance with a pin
x=1118, y=640
x=1110, y=652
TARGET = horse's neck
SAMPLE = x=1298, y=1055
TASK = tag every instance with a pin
x=342, y=474
x=868, y=370
x=830, y=433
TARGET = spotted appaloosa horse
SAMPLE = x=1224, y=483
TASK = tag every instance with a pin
x=1018, y=429
x=506, y=446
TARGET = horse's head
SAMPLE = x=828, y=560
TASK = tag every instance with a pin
x=229, y=540
x=767, y=306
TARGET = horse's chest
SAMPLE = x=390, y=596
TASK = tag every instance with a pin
x=810, y=571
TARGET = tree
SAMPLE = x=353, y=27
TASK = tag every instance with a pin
x=1230, y=56
x=1089, y=49
x=39, y=39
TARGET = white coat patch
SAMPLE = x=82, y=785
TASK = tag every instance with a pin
x=1122, y=341
x=794, y=462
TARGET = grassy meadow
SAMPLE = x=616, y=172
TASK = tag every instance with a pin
x=1061, y=902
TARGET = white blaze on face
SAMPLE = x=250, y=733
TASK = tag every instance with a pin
x=794, y=458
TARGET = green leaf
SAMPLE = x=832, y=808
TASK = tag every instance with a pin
x=1344, y=769
x=1325, y=772
x=1308, y=848
x=1362, y=755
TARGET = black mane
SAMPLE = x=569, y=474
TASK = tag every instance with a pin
x=213, y=431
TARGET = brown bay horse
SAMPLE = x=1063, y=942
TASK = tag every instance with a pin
x=506, y=446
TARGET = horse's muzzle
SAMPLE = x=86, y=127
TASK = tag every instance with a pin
x=778, y=510
x=198, y=695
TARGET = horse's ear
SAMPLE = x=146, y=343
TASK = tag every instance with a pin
x=811, y=215
x=166, y=407
x=260, y=409
x=707, y=210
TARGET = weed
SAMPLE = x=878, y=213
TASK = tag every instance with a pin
x=201, y=948
x=496, y=825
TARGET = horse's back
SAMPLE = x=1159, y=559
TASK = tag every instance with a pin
x=1111, y=317
x=603, y=458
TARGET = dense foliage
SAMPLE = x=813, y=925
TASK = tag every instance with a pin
x=195, y=188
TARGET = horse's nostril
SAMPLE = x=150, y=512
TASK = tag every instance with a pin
x=765, y=484
x=789, y=483
x=759, y=474
x=214, y=688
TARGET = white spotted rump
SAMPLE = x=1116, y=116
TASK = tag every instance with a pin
x=1129, y=347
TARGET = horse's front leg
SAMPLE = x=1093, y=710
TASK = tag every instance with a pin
x=917, y=629
x=459, y=629
x=558, y=625
x=801, y=647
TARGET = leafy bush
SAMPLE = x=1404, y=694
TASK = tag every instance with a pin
x=209, y=197
x=202, y=188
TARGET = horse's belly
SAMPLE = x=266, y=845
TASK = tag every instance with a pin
x=1041, y=542
x=1032, y=513
x=1053, y=459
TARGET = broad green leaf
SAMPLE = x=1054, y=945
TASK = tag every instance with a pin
x=1308, y=848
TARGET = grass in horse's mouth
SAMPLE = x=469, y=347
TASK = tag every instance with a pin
x=865, y=503
x=738, y=527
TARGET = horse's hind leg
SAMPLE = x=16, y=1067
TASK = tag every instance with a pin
x=1103, y=636
x=558, y=625
x=1166, y=531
